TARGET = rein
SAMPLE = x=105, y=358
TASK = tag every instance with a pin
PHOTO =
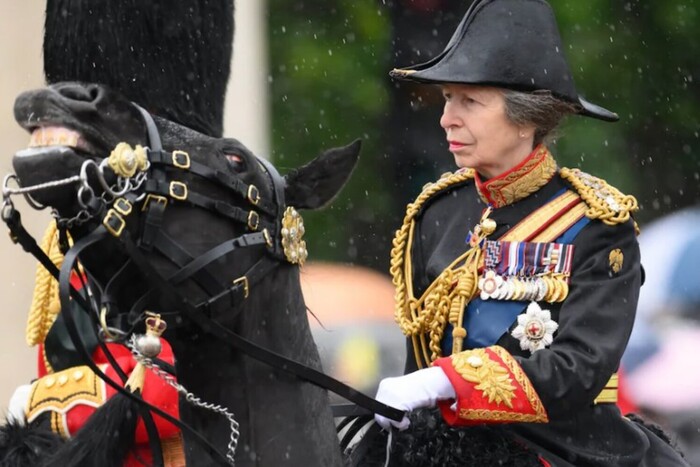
x=157, y=191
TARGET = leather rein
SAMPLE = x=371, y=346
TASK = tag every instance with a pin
x=263, y=232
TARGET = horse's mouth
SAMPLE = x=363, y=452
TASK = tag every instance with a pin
x=54, y=153
x=48, y=140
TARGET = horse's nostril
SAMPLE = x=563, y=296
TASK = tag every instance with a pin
x=94, y=93
x=77, y=92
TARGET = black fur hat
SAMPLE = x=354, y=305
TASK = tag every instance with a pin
x=513, y=44
x=171, y=57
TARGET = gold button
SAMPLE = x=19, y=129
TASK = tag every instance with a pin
x=62, y=380
x=475, y=361
x=78, y=375
x=49, y=381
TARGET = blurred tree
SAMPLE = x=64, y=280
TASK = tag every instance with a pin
x=638, y=58
x=329, y=84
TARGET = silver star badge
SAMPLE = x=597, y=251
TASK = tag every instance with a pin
x=535, y=329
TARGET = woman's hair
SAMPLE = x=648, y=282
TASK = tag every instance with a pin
x=538, y=108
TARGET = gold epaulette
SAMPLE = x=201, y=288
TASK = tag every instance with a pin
x=604, y=201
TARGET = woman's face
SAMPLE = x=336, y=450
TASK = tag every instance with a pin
x=479, y=133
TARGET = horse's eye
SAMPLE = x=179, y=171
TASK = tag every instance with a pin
x=235, y=162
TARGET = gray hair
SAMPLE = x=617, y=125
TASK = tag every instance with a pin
x=538, y=108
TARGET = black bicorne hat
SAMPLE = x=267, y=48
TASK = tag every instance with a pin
x=513, y=44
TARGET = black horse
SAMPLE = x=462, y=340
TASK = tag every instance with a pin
x=283, y=421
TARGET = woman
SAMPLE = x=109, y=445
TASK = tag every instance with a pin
x=517, y=280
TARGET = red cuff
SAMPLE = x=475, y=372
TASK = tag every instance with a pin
x=491, y=387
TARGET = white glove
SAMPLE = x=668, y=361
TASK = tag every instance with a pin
x=422, y=388
x=18, y=404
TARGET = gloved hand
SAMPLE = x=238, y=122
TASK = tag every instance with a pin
x=18, y=404
x=422, y=388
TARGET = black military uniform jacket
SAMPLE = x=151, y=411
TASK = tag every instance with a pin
x=559, y=390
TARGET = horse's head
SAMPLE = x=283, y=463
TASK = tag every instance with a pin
x=206, y=218
x=177, y=202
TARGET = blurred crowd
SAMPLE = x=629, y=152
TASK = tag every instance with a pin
x=661, y=364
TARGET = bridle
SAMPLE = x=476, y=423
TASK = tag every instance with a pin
x=152, y=193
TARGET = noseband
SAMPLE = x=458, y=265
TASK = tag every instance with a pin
x=263, y=223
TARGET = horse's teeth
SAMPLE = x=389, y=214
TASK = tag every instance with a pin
x=54, y=136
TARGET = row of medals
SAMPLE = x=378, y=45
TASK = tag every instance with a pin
x=550, y=288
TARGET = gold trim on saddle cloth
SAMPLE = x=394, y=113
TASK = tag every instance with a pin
x=58, y=393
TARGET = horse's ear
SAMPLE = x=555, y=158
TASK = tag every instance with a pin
x=316, y=184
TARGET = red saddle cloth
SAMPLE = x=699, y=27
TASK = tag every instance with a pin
x=74, y=394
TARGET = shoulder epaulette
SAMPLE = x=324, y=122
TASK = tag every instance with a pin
x=604, y=201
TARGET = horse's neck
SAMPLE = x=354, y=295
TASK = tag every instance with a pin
x=283, y=421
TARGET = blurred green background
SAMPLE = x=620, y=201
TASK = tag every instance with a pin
x=329, y=83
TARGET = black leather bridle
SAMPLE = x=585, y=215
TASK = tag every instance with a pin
x=264, y=232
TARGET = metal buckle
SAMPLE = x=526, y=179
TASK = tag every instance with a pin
x=183, y=162
x=253, y=195
x=244, y=280
x=157, y=198
x=253, y=220
x=114, y=223
x=122, y=206
x=176, y=186
x=267, y=237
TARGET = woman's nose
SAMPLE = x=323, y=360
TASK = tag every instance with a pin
x=448, y=118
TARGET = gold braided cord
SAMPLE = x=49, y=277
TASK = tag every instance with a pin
x=430, y=313
x=45, y=303
x=604, y=201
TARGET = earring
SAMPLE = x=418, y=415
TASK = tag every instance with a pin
x=522, y=135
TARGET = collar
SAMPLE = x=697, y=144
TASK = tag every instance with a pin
x=521, y=181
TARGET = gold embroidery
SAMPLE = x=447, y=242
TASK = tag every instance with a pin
x=499, y=416
x=616, y=259
x=540, y=415
x=604, y=201
x=489, y=377
x=520, y=183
